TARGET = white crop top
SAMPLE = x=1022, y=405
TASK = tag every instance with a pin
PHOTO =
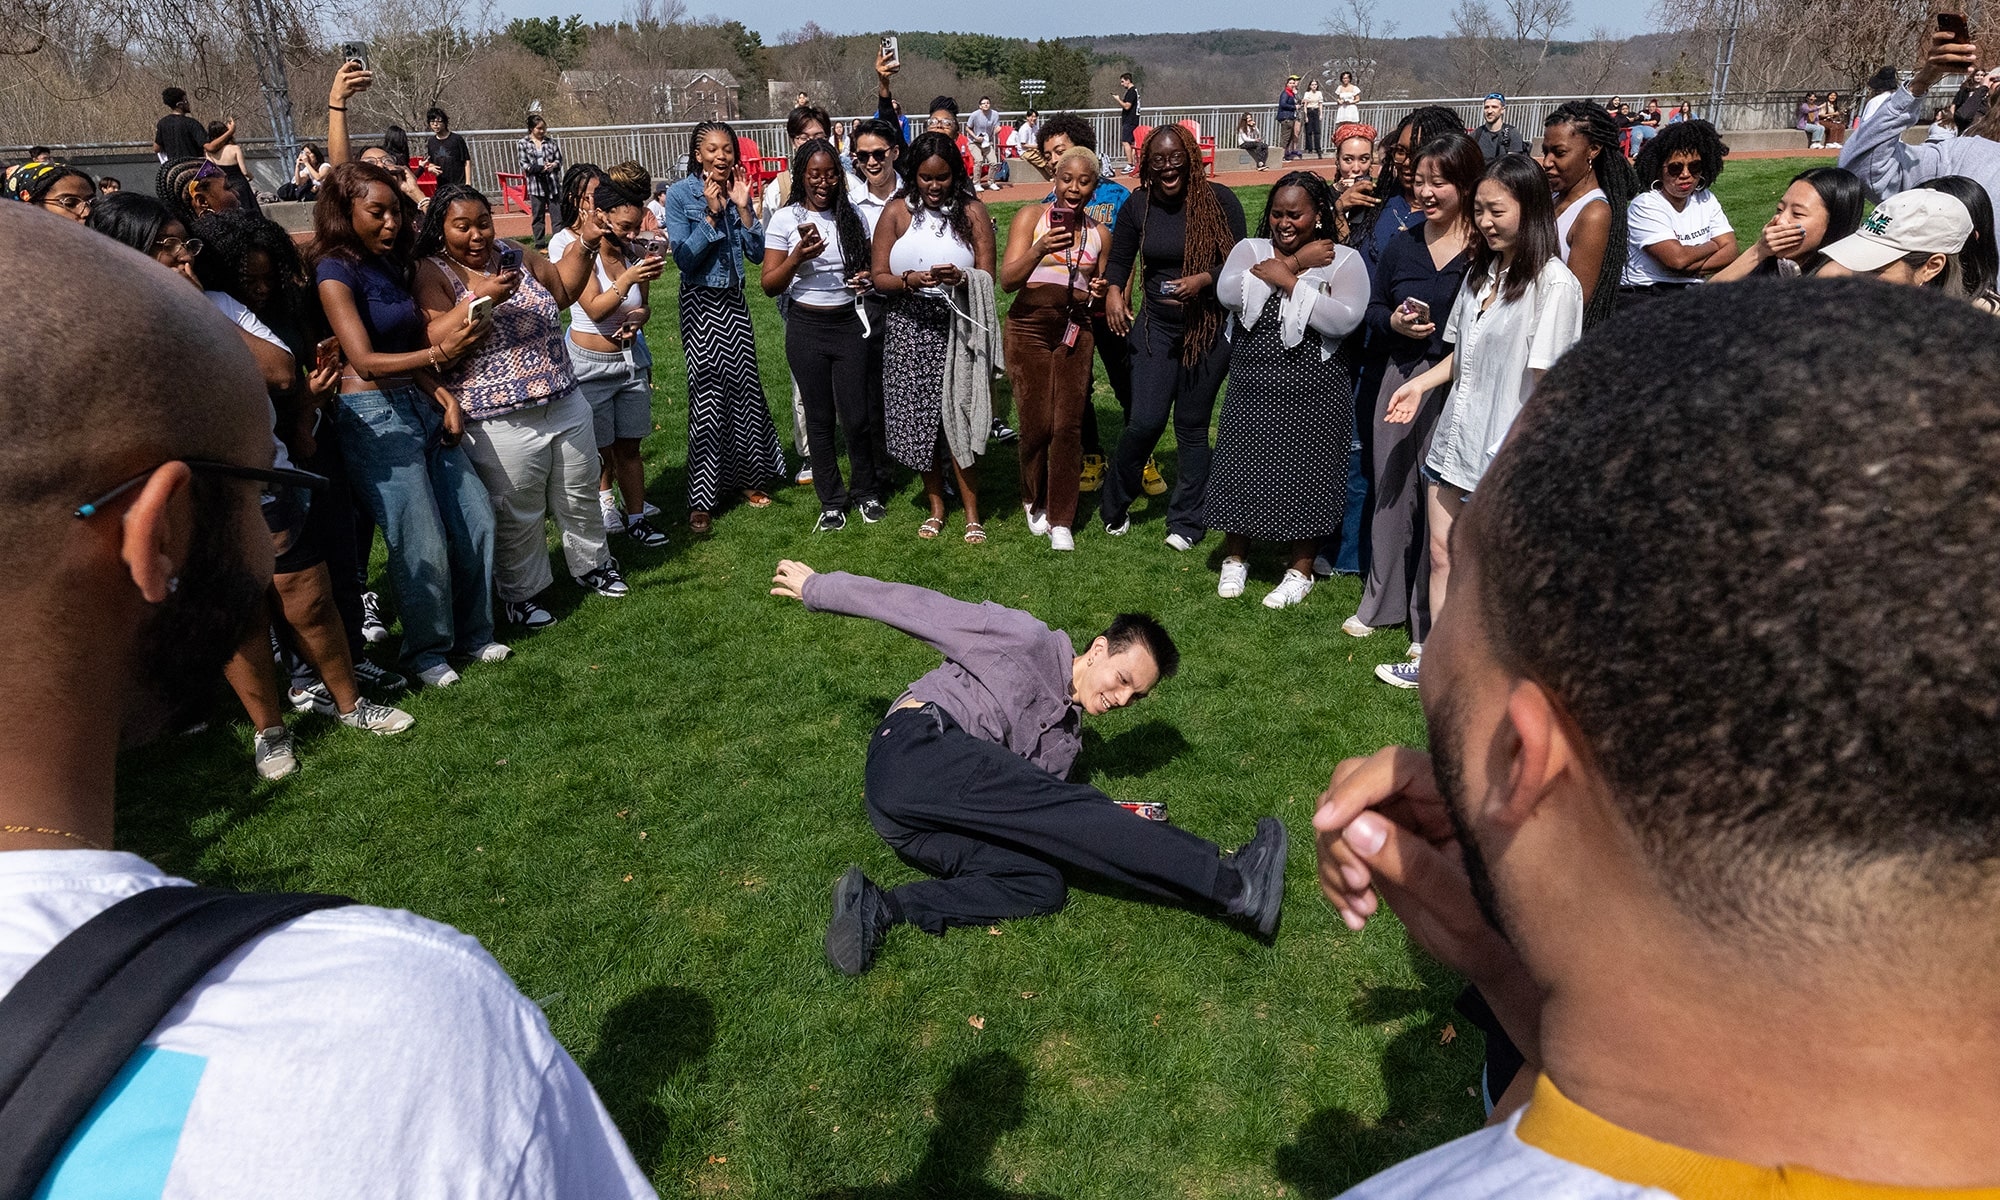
x=927, y=243
x=1569, y=215
x=579, y=320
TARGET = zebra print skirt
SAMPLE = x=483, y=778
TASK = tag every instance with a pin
x=732, y=443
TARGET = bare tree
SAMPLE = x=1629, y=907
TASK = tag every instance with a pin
x=1603, y=56
x=418, y=49
x=1470, y=47
x=1784, y=45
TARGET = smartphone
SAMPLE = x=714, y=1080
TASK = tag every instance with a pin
x=1954, y=24
x=326, y=353
x=1418, y=310
x=891, y=56
x=1061, y=216
x=510, y=256
x=355, y=52
x=481, y=310
x=651, y=243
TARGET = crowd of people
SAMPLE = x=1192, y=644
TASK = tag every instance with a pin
x=1431, y=372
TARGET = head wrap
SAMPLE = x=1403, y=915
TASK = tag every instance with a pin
x=1353, y=129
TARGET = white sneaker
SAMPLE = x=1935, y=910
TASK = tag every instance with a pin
x=804, y=476
x=614, y=517
x=1060, y=538
x=1120, y=529
x=1354, y=626
x=1403, y=675
x=1038, y=523
x=492, y=652
x=1416, y=651
x=649, y=509
x=1292, y=589
x=1180, y=541
x=274, y=755
x=440, y=676
x=1235, y=573
x=377, y=718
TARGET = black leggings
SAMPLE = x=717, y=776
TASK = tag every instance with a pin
x=1163, y=388
x=829, y=359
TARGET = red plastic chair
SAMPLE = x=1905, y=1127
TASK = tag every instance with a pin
x=1207, y=144
x=759, y=168
x=427, y=183
x=513, y=191
x=1139, y=136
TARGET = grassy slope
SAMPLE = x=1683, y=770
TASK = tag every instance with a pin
x=641, y=814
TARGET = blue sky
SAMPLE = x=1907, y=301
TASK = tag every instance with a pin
x=1065, y=18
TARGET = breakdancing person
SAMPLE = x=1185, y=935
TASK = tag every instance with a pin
x=967, y=776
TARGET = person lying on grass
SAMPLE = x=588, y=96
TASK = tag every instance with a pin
x=967, y=776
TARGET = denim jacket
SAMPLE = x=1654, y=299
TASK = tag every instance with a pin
x=700, y=249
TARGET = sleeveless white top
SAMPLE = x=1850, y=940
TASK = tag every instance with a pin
x=1569, y=215
x=927, y=243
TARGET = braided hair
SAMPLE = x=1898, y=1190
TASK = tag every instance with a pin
x=1207, y=242
x=1428, y=123
x=1619, y=184
x=1317, y=191
x=700, y=133
x=577, y=182
x=171, y=186
x=430, y=235
x=924, y=147
x=854, y=248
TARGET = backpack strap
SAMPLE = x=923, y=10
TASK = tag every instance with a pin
x=76, y=1017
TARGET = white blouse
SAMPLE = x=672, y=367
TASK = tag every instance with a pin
x=1331, y=299
x=1495, y=353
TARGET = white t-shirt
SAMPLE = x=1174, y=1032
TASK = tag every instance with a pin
x=1495, y=1164
x=1494, y=355
x=250, y=323
x=869, y=207
x=353, y=1052
x=821, y=279
x=1652, y=220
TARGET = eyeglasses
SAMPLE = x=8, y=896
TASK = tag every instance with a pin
x=273, y=478
x=1691, y=170
x=75, y=204
x=871, y=155
x=177, y=246
x=1159, y=161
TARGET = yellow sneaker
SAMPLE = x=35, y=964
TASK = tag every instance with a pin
x=1150, y=480
x=1092, y=476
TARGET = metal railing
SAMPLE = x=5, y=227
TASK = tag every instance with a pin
x=663, y=147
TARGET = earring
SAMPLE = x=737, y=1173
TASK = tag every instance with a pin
x=173, y=584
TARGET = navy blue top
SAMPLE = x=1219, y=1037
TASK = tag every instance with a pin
x=388, y=310
x=1397, y=215
x=1406, y=271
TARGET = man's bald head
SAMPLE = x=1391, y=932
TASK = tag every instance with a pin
x=141, y=371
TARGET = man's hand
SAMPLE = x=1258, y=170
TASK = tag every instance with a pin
x=351, y=78
x=885, y=68
x=1942, y=57
x=1384, y=835
x=790, y=581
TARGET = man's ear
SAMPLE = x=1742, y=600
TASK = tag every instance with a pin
x=1531, y=751
x=156, y=530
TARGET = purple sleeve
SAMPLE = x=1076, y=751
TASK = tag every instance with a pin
x=954, y=628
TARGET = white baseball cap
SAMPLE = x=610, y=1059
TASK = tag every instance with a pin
x=1919, y=221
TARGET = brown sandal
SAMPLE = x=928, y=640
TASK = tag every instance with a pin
x=700, y=522
x=931, y=527
x=756, y=499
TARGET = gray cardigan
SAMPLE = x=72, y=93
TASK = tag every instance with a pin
x=1876, y=152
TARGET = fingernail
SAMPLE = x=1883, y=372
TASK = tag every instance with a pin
x=1366, y=834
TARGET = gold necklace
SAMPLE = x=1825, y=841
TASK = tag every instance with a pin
x=61, y=833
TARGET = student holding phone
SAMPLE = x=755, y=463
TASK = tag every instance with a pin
x=528, y=429
x=1416, y=285
x=607, y=344
x=732, y=442
x=1876, y=151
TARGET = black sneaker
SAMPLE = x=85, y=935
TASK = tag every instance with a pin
x=373, y=628
x=1261, y=863
x=872, y=510
x=529, y=615
x=860, y=922
x=831, y=520
x=379, y=679
x=606, y=580
x=644, y=532
x=1002, y=432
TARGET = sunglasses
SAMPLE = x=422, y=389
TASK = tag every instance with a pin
x=1691, y=170
x=871, y=155
x=274, y=480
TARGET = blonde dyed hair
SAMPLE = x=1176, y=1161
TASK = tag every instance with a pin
x=1085, y=153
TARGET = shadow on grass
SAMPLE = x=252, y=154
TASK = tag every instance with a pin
x=983, y=1099
x=1335, y=1149
x=648, y=1041
x=1138, y=750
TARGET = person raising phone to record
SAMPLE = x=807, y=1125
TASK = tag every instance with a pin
x=1876, y=151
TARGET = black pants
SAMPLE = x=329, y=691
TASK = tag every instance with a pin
x=541, y=218
x=1161, y=387
x=1001, y=834
x=829, y=359
x=1115, y=352
x=1313, y=146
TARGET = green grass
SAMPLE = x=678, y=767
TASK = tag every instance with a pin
x=1750, y=187
x=642, y=812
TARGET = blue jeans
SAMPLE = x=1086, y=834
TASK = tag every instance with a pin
x=435, y=515
x=1641, y=134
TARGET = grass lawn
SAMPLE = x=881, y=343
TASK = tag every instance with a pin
x=641, y=815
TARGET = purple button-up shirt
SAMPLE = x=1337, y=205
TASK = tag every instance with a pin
x=1005, y=677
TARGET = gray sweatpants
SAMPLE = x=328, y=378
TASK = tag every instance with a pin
x=538, y=463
